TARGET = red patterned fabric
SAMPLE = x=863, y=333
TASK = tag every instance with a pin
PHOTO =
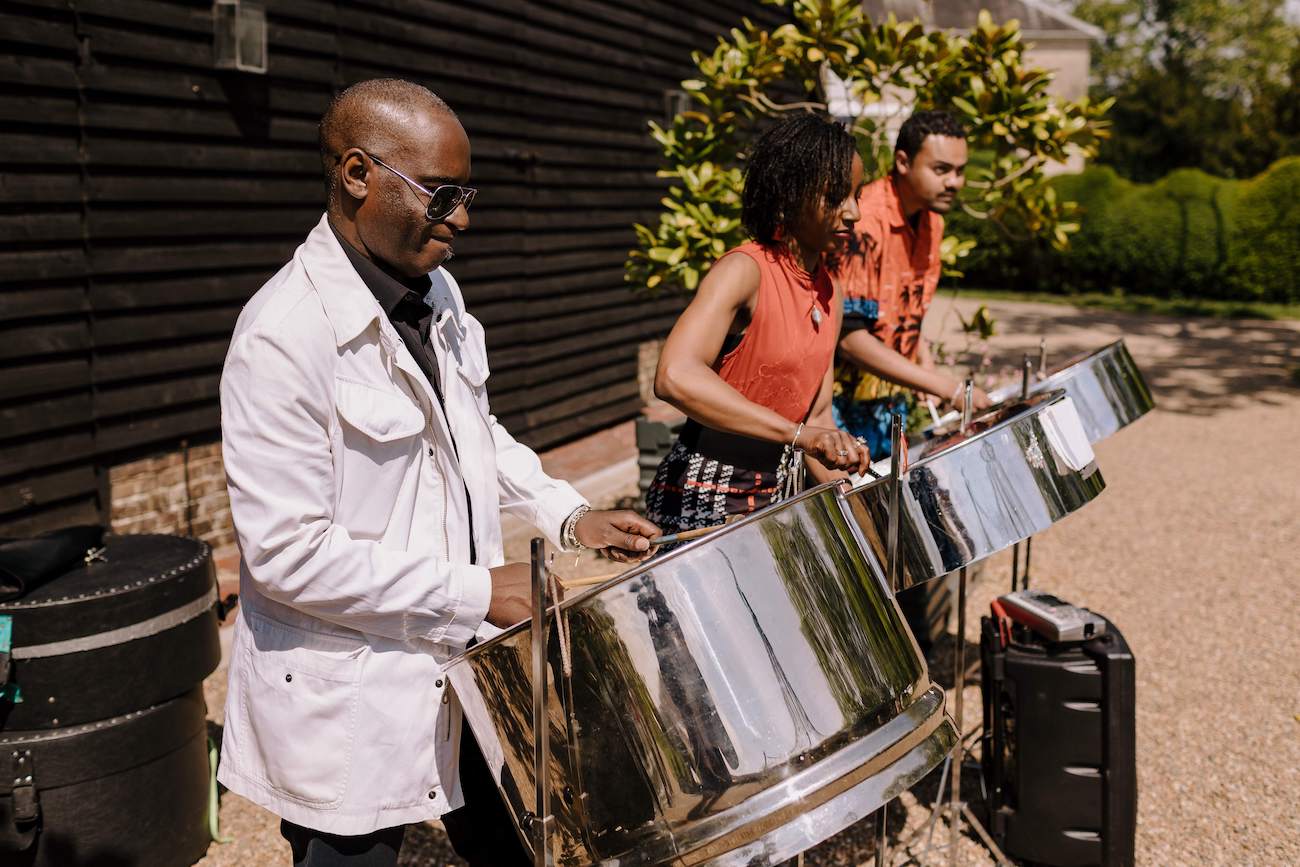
x=790, y=341
x=893, y=264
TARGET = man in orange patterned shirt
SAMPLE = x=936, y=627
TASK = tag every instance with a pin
x=888, y=272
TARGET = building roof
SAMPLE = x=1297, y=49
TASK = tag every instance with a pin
x=1038, y=18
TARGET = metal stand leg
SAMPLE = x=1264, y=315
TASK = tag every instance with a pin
x=542, y=819
x=955, y=810
x=898, y=445
x=882, y=826
x=1015, y=566
x=1029, y=549
x=959, y=749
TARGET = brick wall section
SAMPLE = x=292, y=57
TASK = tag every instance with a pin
x=647, y=360
x=149, y=496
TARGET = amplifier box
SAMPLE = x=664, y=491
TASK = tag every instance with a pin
x=1059, y=758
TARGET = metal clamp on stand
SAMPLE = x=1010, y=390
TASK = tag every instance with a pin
x=542, y=820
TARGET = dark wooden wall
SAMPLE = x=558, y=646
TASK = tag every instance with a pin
x=144, y=195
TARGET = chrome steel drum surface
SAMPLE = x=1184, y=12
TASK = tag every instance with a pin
x=1018, y=469
x=735, y=701
x=1106, y=386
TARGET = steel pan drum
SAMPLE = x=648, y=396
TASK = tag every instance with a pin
x=1018, y=469
x=735, y=701
x=1106, y=386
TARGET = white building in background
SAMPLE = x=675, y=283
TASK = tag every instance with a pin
x=1056, y=40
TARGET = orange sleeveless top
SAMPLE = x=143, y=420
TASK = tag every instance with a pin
x=782, y=358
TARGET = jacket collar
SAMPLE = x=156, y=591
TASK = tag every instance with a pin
x=349, y=305
x=894, y=204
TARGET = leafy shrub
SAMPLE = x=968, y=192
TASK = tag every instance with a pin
x=1188, y=235
x=1266, y=243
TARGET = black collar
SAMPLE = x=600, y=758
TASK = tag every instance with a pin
x=398, y=297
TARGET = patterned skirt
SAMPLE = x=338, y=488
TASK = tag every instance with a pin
x=708, y=476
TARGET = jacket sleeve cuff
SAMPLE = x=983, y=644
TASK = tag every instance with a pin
x=475, y=595
x=555, y=510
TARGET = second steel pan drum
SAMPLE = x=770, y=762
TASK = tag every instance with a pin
x=1105, y=384
x=1018, y=469
x=735, y=701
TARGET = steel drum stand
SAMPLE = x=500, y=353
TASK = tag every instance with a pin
x=956, y=809
x=1026, y=372
x=542, y=822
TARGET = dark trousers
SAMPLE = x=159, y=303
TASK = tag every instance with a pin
x=318, y=849
x=482, y=831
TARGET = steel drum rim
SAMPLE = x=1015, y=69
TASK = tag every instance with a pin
x=922, y=720
x=1057, y=379
x=852, y=804
x=639, y=568
x=1037, y=401
x=1063, y=374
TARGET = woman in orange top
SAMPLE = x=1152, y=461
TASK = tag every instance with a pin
x=749, y=360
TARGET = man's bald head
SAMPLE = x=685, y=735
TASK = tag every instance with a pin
x=373, y=115
x=386, y=145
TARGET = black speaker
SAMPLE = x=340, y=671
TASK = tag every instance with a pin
x=1059, y=757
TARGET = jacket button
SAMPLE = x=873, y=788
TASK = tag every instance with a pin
x=288, y=678
x=433, y=793
x=430, y=451
x=438, y=683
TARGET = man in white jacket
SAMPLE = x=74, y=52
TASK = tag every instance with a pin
x=367, y=477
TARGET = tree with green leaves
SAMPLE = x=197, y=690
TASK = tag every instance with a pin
x=1197, y=83
x=830, y=47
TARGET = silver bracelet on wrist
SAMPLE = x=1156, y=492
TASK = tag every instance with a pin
x=569, y=530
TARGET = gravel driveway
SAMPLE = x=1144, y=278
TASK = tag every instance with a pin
x=1190, y=551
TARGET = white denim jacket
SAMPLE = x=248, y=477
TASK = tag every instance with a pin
x=349, y=508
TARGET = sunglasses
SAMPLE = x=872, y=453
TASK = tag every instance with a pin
x=442, y=199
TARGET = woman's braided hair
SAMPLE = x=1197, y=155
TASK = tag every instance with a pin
x=799, y=165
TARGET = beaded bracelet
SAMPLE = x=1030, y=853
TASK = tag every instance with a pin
x=569, y=531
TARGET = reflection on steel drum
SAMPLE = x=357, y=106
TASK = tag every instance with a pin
x=1108, y=390
x=1018, y=469
x=716, y=695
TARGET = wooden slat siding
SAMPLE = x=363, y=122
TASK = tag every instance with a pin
x=46, y=395
x=619, y=57
x=146, y=195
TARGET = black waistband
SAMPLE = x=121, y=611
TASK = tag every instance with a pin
x=728, y=448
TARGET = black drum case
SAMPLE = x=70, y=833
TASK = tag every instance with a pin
x=104, y=760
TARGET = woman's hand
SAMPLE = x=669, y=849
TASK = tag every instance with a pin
x=623, y=535
x=979, y=398
x=835, y=448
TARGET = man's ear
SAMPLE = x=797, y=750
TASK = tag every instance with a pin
x=902, y=164
x=353, y=174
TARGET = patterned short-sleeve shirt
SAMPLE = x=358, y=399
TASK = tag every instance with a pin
x=888, y=273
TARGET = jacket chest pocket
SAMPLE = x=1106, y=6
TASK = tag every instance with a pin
x=467, y=347
x=300, y=702
x=381, y=430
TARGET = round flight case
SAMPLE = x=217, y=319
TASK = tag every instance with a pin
x=104, y=757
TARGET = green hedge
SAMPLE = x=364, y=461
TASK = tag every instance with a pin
x=1266, y=252
x=1189, y=235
